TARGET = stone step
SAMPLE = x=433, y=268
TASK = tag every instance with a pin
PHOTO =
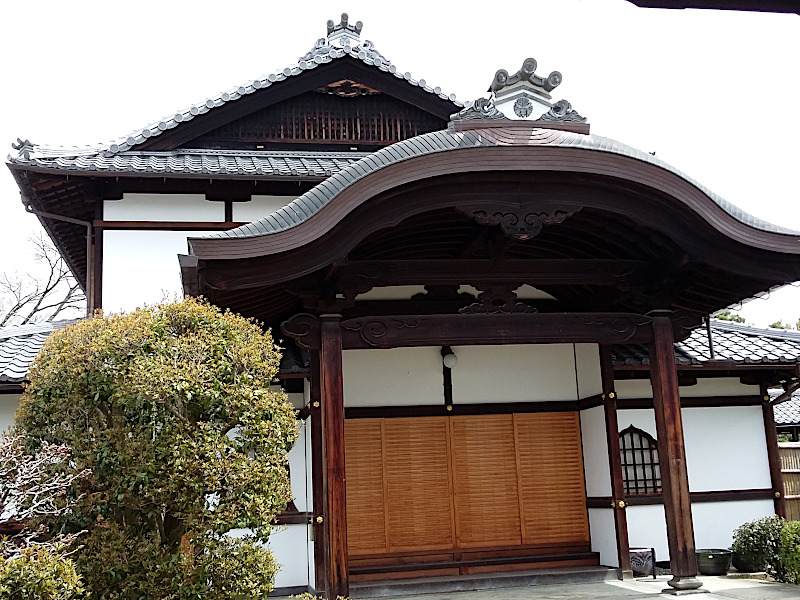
x=482, y=581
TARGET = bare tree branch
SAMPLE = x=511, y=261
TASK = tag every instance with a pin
x=27, y=298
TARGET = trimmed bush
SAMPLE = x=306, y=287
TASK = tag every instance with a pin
x=788, y=567
x=39, y=573
x=170, y=409
x=755, y=544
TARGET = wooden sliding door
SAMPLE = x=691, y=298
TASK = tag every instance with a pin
x=432, y=485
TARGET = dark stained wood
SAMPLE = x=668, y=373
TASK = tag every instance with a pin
x=317, y=472
x=364, y=275
x=614, y=460
x=775, y=472
x=335, y=506
x=712, y=496
x=672, y=455
x=590, y=402
x=447, y=381
x=440, y=410
x=481, y=329
x=293, y=518
x=168, y=225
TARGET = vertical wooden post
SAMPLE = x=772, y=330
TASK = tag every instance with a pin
x=335, y=510
x=615, y=462
x=96, y=300
x=317, y=479
x=672, y=456
x=773, y=454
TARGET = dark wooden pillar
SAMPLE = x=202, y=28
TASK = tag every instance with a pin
x=317, y=479
x=332, y=405
x=773, y=454
x=615, y=462
x=672, y=456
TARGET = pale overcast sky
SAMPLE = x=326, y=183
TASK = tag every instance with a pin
x=714, y=93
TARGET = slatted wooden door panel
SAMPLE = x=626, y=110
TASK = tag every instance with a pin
x=486, y=498
x=416, y=469
x=550, y=466
x=366, y=497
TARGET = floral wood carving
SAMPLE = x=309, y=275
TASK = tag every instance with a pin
x=497, y=299
x=622, y=327
x=519, y=223
x=304, y=329
x=376, y=332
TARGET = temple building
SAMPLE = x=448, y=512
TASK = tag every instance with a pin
x=496, y=324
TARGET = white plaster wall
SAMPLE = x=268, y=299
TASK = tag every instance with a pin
x=587, y=361
x=141, y=267
x=726, y=448
x=595, y=452
x=8, y=406
x=722, y=386
x=289, y=545
x=641, y=418
x=163, y=207
x=714, y=522
x=396, y=377
x=297, y=469
x=514, y=373
x=647, y=528
x=604, y=535
x=392, y=292
x=259, y=207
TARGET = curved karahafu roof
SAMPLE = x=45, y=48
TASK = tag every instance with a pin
x=441, y=142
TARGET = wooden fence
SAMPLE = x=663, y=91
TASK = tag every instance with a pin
x=790, y=466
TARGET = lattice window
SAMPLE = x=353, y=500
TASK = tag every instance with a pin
x=641, y=471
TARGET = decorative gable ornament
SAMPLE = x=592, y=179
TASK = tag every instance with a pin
x=523, y=96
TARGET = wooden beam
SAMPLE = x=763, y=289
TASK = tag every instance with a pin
x=672, y=457
x=773, y=454
x=335, y=507
x=398, y=331
x=168, y=225
x=615, y=462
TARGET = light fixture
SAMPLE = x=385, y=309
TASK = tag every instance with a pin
x=449, y=359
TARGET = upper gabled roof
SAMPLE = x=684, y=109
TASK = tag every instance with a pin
x=342, y=43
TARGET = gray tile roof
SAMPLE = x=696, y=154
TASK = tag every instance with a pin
x=741, y=344
x=787, y=413
x=325, y=50
x=436, y=142
x=20, y=345
x=265, y=164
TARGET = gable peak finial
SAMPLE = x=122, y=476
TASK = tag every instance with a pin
x=344, y=30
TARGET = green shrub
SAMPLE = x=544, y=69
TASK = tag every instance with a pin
x=755, y=544
x=39, y=573
x=788, y=565
x=170, y=409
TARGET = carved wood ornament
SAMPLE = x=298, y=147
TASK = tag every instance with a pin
x=521, y=222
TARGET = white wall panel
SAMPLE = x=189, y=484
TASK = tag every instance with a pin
x=714, y=522
x=289, y=545
x=141, y=267
x=164, y=207
x=641, y=418
x=726, y=448
x=587, y=361
x=8, y=406
x=647, y=528
x=722, y=386
x=595, y=452
x=259, y=207
x=604, y=535
x=297, y=469
x=514, y=373
x=396, y=377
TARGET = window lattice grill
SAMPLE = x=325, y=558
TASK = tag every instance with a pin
x=641, y=471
